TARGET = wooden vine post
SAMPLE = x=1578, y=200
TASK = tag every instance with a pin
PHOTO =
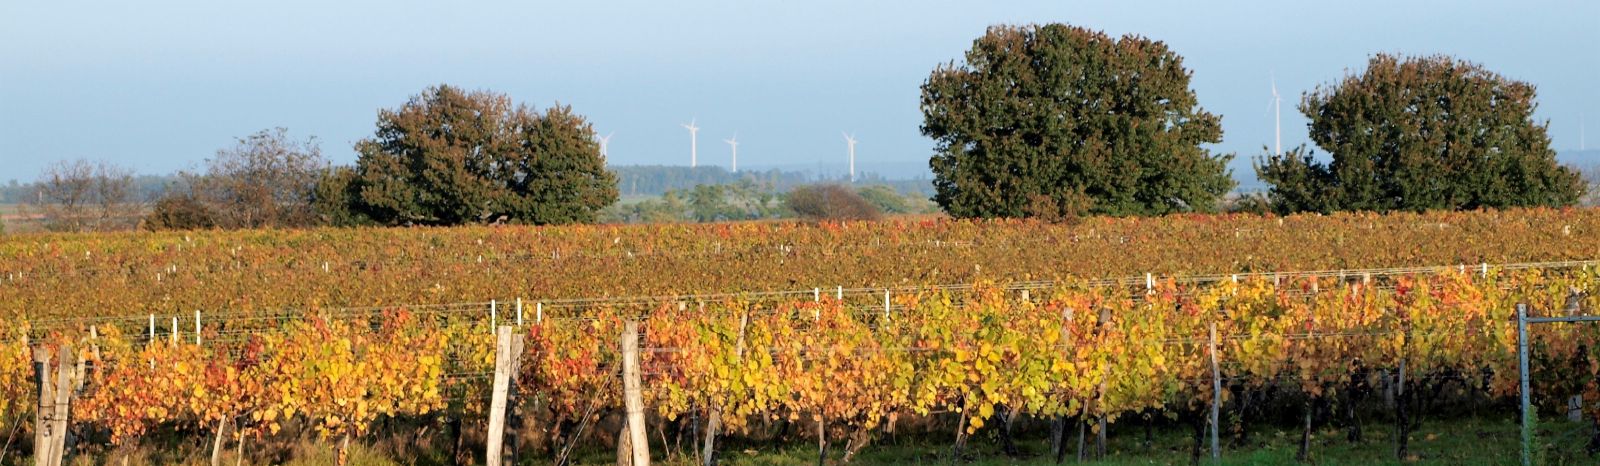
x=1216, y=397
x=502, y=404
x=633, y=396
x=55, y=397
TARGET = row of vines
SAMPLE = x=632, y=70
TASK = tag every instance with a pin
x=982, y=356
x=73, y=275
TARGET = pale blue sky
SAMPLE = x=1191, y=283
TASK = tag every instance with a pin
x=161, y=85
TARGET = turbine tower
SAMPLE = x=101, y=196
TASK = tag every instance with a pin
x=694, y=131
x=734, y=143
x=1277, y=119
x=851, y=141
x=604, y=142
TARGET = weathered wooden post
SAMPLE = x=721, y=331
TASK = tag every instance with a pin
x=507, y=356
x=632, y=394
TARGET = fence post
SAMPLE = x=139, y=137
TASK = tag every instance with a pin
x=1216, y=397
x=507, y=359
x=633, y=396
x=1522, y=387
x=41, y=415
x=65, y=371
x=514, y=417
x=197, y=327
x=497, y=401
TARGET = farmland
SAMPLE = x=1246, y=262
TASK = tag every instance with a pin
x=838, y=332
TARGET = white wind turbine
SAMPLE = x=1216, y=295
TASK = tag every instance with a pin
x=694, y=131
x=1277, y=119
x=734, y=143
x=604, y=143
x=851, y=141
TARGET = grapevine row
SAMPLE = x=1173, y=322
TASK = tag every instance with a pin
x=134, y=274
x=1074, y=350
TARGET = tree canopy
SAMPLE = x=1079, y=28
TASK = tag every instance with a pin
x=1058, y=120
x=450, y=156
x=1420, y=133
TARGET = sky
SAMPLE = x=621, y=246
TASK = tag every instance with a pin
x=159, y=86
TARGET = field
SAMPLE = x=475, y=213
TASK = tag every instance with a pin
x=889, y=342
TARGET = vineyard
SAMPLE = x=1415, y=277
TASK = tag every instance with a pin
x=251, y=339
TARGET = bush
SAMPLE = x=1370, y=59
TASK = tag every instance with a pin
x=830, y=202
x=180, y=211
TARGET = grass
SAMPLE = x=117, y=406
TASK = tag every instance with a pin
x=1461, y=441
x=1466, y=441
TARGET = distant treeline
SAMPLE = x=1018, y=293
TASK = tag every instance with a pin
x=633, y=180
x=655, y=180
x=145, y=188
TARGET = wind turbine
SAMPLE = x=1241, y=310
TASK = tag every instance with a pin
x=851, y=141
x=694, y=131
x=1277, y=118
x=604, y=142
x=734, y=143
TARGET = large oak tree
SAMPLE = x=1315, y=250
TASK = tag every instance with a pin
x=1057, y=120
x=450, y=156
x=1420, y=133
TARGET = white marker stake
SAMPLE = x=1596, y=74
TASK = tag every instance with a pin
x=1149, y=283
x=538, y=313
x=174, y=330
x=197, y=327
x=494, y=315
x=152, y=328
x=519, y=312
x=816, y=294
x=1486, y=269
x=886, y=303
x=838, y=293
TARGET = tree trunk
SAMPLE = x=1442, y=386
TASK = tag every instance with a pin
x=1198, y=424
x=1008, y=446
x=822, y=442
x=216, y=443
x=1305, y=435
x=1083, y=426
x=708, y=454
x=1402, y=421
x=238, y=451
x=343, y=457
x=1058, y=446
x=1100, y=440
x=961, y=434
x=858, y=438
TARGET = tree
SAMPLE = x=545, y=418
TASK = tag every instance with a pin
x=180, y=211
x=830, y=202
x=80, y=195
x=265, y=180
x=449, y=156
x=1058, y=120
x=334, y=197
x=1419, y=133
